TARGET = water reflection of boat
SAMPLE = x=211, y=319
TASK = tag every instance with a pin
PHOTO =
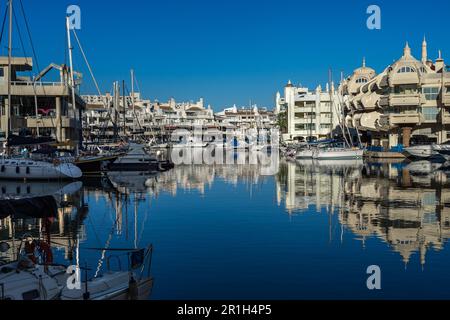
x=423, y=167
x=12, y=190
x=126, y=182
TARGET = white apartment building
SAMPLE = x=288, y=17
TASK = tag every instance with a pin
x=184, y=114
x=246, y=118
x=311, y=115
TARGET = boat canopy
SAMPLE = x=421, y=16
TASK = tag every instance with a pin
x=17, y=141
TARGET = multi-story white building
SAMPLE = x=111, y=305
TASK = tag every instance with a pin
x=184, y=114
x=246, y=118
x=310, y=115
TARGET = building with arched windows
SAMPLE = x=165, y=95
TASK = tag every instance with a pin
x=409, y=100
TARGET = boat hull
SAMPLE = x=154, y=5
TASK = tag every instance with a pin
x=305, y=154
x=37, y=170
x=339, y=154
x=421, y=152
x=134, y=167
x=95, y=164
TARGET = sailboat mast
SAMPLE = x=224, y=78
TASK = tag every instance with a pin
x=8, y=105
x=124, y=110
x=72, y=79
x=132, y=99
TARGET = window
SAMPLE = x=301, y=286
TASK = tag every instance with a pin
x=430, y=113
x=405, y=89
x=423, y=70
x=406, y=70
x=306, y=115
x=306, y=126
x=2, y=73
x=431, y=93
x=325, y=126
x=362, y=80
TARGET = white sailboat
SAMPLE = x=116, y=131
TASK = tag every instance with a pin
x=339, y=153
x=27, y=169
x=345, y=150
x=23, y=280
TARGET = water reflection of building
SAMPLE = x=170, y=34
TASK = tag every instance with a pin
x=63, y=230
x=198, y=178
x=307, y=183
x=408, y=210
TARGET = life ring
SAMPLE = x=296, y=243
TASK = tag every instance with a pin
x=56, y=162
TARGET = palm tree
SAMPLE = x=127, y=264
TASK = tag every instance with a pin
x=282, y=122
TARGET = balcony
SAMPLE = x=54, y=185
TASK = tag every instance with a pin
x=446, y=118
x=50, y=122
x=399, y=119
x=29, y=88
x=446, y=98
x=384, y=101
x=411, y=99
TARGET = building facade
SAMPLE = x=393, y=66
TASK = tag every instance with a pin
x=311, y=116
x=406, y=103
x=246, y=118
x=39, y=107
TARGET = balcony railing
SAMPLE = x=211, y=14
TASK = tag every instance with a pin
x=396, y=119
x=410, y=99
x=446, y=99
x=37, y=84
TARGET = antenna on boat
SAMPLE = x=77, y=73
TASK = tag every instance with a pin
x=8, y=105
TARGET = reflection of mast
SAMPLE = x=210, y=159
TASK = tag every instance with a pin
x=135, y=222
x=118, y=215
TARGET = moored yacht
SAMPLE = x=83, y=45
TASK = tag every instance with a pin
x=339, y=153
x=137, y=159
x=422, y=151
x=27, y=169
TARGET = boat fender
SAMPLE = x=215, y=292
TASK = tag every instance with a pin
x=3, y=168
x=133, y=290
x=18, y=170
x=28, y=170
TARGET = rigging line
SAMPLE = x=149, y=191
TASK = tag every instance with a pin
x=3, y=24
x=93, y=78
x=30, y=38
x=92, y=73
x=135, y=114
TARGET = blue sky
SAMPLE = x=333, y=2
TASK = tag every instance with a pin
x=232, y=51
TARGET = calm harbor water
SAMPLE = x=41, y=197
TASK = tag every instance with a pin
x=228, y=232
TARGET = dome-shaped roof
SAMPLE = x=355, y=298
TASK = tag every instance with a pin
x=364, y=70
x=408, y=60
